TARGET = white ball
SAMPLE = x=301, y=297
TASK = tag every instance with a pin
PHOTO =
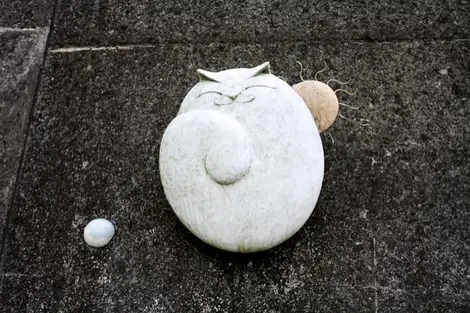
x=98, y=232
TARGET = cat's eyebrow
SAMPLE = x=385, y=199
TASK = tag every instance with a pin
x=259, y=86
x=211, y=91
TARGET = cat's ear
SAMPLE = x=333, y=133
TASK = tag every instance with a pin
x=207, y=76
x=264, y=68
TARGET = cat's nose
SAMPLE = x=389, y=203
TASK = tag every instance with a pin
x=224, y=100
x=232, y=96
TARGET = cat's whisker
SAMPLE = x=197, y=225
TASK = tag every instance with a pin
x=321, y=71
x=337, y=81
x=351, y=93
x=301, y=70
x=348, y=106
x=332, y=139
x=362, y=122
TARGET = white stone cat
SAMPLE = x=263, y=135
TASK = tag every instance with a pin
x=242, y=163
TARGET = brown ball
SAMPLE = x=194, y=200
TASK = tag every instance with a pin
x=321, y=101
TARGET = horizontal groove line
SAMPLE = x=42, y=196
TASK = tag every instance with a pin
x=138, y=46
x=20, y=275
x=100, y=48
x=22, y=30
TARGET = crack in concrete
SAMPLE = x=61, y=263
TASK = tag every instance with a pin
x=376, y=294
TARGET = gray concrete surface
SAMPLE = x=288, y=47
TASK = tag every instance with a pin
x=391, y=230
x=82, y=23
x=20, y=58
x=203, y=21
x=25, y=13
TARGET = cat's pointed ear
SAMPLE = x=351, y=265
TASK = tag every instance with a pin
x=207, y=76
x=264, y=68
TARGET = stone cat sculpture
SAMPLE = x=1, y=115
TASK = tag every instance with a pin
x=242, y=162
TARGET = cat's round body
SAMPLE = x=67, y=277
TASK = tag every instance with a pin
x=242, y=163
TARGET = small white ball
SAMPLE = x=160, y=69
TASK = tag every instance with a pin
x=98, y=233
